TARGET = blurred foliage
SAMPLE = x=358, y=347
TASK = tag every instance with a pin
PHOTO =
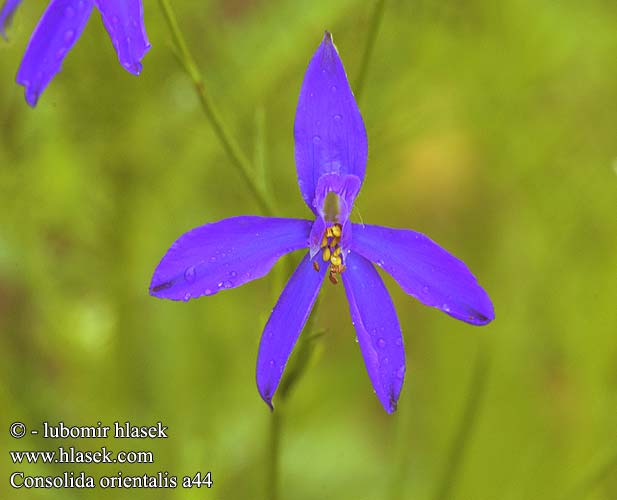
x=492, y=128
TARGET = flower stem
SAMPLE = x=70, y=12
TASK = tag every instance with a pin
x=475, y=397
x=230, y=146
x=272, y=492
x=376, y=17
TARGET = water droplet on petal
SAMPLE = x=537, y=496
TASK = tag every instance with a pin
x=227, y=284
x=207, y=291
x=316, y=139
x=60, y=53
x=386, y=361
x=220, y=284
x=189, y=274
x=400, y=373
x=271, y=362
x=333, y=88
x=69, y=12
x=187, y=296
x=233, y=274
x=69, y=35
x=213, y=259
x=337, y=118
x=381, y=343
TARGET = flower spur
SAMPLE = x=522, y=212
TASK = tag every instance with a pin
x=331, y=152
x=61, y=26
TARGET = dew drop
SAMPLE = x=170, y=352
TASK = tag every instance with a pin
x=271, y=362
x=207, y=291
x=213, y=259
x=227, y=284
x=425, y=289
x=69, y=12
x=333, y=88
x=316, y=139
x=220, y=284
x=187, y=297
x=60, y=53
x=400, y=373
x=189, y=274
x=381, y=343
x=233, y=274
x=337, y=118
x=69, y=35
x=386, y=361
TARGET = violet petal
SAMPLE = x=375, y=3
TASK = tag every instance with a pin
x=377, y=329
x=329, y=132
x=124, y=21
x=225, y=254
x=60, y=27
x=426, y=271
x=6, y=14
x=285, y=324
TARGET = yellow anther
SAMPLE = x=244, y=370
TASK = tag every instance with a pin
x=315, y=266
x=336, y=231
x=326, y=254
x=329, y=233
x=337, y=251
x=335, y=260
x=324, y=242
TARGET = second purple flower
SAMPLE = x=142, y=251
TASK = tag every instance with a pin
x=61, y=26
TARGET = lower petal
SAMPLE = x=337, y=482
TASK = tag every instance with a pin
x=225, y=254
x=285, y=324
x=57, y=31
x=426, y=271
x=124, y=21
x=377, y=329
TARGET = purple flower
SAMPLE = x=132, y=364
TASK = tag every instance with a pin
x=331, y=152
x=62, y=25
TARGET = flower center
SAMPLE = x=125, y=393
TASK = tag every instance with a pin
x=331, y=252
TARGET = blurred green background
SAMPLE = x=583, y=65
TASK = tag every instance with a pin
x=492, y=128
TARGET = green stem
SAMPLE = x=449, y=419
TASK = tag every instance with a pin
x=272, y=492
x=230, y=146
x=475, y=396
x=376, y=17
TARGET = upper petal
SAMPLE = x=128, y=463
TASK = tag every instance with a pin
x=225, y=254
x=57, y=31
x=124, y=21
x=285, y=324
x=329, y=132
x=377, y=329
x=426, y=271
x=6, y=14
